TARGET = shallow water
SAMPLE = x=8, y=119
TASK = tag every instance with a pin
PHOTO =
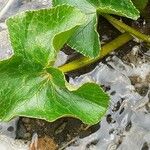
x=126, y=125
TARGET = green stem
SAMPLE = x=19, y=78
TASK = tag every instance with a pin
x=118, y=27
x=106, y=49
x=127, y=28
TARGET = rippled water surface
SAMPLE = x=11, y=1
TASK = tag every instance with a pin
x=127, y=122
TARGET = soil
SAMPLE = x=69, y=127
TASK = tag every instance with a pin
x=61, y=131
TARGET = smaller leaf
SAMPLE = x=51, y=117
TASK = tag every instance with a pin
x=86, y=39
x=118, y=7
x=38, y=35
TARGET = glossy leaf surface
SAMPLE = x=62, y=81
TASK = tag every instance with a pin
x=29, y=85
x=86, y=38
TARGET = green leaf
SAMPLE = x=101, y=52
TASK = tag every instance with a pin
x=122, y=8
x=38, y=35
x=42, y=94
x=86, y=39
x=28, y=87
x=140, y=4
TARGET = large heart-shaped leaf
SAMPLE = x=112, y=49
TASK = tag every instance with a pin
x=29, y=86
x=38, y=35
x=86, y=39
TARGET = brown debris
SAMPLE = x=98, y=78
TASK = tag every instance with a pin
x=45, y=143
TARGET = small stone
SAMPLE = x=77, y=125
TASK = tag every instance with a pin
x=27, y=135
x=26, y=120
x=28, y=128
x=10, y=129
x=40, y=122
x=145, y=146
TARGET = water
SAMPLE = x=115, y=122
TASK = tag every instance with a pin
x=5, y=47
x=11, y=7
x=126, y=125
x=7, y=143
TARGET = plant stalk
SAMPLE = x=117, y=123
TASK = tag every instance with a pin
x=127, y=28
x=105, y=50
